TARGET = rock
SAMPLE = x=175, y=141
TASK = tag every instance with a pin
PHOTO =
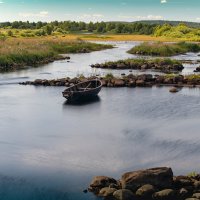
x=106, y=192
x=38, y=81
x=132, y=83
x=121, y=66
x=160, y=177
x=196, y=195
x=140, y=83
x=177, y=67
x=191, y=199
x=197, y=185
x=144, y=67
x=118, y=83
x=182, y=181
x=85, y=191
x=146, y=191
x=167, y=194
x=104, y=83
x=174, y=90
x=100, y=182
x=123, y=195
x=168, y=81
x=183, y=193
x=114, y=186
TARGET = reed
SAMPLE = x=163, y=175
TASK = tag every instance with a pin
x=18, y=52
x=164, y=49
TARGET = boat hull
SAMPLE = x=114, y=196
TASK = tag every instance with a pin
x=72, y=95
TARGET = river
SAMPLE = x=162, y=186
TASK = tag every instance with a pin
x=50, y=150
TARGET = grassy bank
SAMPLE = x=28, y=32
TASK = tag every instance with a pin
x=18, y=52
x=164, y=49
x=159, y=64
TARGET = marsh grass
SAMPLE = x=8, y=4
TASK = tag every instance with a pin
x=18, y=52
x=164, y=49
x=141, y=61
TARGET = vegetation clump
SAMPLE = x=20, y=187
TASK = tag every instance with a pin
x=17, y=53
x=159, y=64
x=164, y=49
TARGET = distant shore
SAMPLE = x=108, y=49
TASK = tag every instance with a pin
x=116, y=37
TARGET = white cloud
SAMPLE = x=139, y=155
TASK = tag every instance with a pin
x=40, y=14
x=1, y=2
x=148, y=17
x=198, y=18
x=163, y=1
x=90, y=17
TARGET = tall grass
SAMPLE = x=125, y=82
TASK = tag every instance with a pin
x=18, y=52
x=164, y=49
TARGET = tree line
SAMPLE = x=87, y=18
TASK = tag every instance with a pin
x=72, y=26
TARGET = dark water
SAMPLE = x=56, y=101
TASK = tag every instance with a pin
x=51, y=150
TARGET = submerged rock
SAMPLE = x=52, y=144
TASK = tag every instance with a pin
x=174, y=90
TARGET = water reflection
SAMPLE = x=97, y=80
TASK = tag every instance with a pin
x=83, y=102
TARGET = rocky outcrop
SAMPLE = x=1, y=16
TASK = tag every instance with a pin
x=159, y=177
x=100, y=182
x=130, y=80
x=150, y=184
x=139, y=64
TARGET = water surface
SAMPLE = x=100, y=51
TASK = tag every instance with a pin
x=51, y=150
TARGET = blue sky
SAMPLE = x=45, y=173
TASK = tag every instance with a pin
x=99, y=10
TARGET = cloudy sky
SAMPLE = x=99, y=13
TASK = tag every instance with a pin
x=99, y=10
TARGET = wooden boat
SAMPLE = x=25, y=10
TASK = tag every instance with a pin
x=83, y=91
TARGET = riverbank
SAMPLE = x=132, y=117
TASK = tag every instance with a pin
x=150, y=184
x=143, y=80
x=18, y=53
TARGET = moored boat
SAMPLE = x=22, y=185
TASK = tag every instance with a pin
x=83, y=91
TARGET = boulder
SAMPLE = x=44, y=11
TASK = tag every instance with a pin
x=174, y=90
x=160, y=177
x=118, y=83
x=196, y=195
x=145, y=191
x=131, y=83
x=100, y=182
x=38, y=81
x=144, y=67
x=197, y=69
x=191, y=199
x=183, y=193
x=106, y=192
x=167, y=194
x=121, y=66
x=140, y=83
x=182, y=181
x=197, y=185
x=123, y=194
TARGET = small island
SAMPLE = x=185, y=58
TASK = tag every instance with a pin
x=165, y=65
x=164, y=49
